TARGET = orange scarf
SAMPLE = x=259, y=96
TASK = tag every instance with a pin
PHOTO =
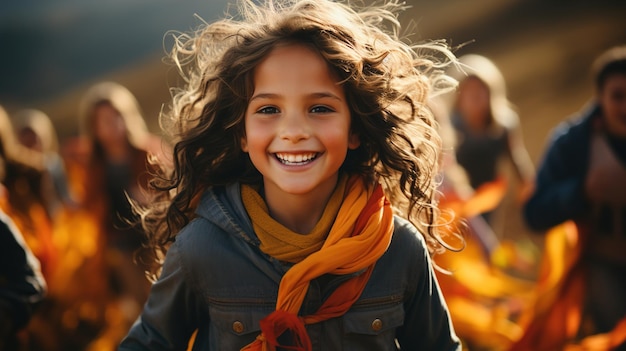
x=282, y=243
x=358, y=238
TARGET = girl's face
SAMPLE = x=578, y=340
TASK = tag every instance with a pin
x=30, y=139
x=108, y=126
x=612, y=98
x=297, y=123
x=474, y=101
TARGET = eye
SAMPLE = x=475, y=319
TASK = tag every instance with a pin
x=321, y=109
x=268, y=110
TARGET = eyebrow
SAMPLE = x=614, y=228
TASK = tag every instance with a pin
x=314, y=95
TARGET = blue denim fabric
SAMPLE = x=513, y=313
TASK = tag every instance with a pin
x=559, y=191
x=216, y=279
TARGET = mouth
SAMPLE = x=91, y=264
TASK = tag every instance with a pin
x=290, y=159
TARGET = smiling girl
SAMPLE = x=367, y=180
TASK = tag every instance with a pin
x=301, y=124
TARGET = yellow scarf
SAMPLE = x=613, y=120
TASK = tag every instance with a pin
x=282, y=243
x=359, y=236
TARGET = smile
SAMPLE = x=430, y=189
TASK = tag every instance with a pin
x=296, y=159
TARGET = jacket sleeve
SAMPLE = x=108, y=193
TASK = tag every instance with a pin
x=169, y=317
x=427, y=324
x=559, y=189
x=22, y=285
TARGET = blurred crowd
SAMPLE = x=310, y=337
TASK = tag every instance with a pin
x=570, y=292
x=71, y=278
x=70, y=202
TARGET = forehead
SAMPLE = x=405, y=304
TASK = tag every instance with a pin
x=289, y=58
x=295, y=71
x=473, y=82
x=616, y=81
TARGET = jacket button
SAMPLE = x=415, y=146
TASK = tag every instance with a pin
x=237, y=327
x=377, y=324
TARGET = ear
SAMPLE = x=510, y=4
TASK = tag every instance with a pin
x=353, y=141
x=243, y=144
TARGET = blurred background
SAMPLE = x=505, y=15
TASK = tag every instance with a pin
x=52, y=51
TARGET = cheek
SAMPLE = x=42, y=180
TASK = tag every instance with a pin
x=339, y=139
x=612, y=107
x=108, y=127
x=256, y=140
x=474, y=101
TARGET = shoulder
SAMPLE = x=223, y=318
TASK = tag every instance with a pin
x=9, y=235
x=196, y=248
x=507, y=118
x=195, y=238
x=407, y=242
x=407, y=233
x=406, y=264
x=576, y=127
x=217, y=229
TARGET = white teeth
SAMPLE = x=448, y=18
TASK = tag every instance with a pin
x=295, y=159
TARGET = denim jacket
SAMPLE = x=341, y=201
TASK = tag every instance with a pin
x=559, y=189
x=216, y=280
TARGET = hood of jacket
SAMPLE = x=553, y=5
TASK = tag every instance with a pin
x=223, y=207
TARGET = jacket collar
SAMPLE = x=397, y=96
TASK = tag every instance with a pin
x=223, y=207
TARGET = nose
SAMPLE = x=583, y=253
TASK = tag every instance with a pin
x=294, y=127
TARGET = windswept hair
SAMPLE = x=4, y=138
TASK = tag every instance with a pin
x=387, y=83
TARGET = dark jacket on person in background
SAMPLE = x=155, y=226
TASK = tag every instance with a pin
x=22, y=286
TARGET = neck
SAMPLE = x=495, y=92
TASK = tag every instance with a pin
x=298, y=212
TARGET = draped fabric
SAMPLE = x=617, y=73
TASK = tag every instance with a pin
x=478, y=292
x=282, y=243
x=359, y=236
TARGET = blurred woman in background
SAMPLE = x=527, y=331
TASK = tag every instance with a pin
x=487, y=127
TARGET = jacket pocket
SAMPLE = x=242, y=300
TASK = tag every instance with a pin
x=372, y=327
x=234, y=328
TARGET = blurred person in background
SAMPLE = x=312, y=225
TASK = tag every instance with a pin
x=22, y=286
x=34, y=129
x=25, y=242
x=487, y=126
x=65, y=318
x=483, y=299
x=581, y=180
x=23, y=176
x=108, y=166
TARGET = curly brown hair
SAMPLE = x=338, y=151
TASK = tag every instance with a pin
x=387, y=83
